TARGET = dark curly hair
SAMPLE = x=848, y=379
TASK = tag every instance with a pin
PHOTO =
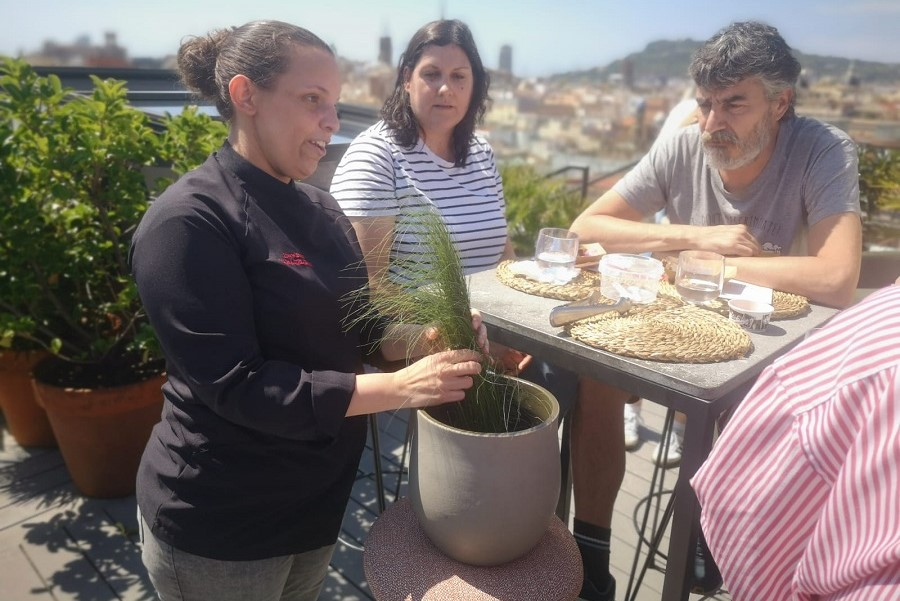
x=397, y=112
x=258, y=49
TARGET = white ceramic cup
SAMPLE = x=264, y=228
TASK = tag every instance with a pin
x=750, y=314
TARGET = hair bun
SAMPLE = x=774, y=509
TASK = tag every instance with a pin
x=197, y=62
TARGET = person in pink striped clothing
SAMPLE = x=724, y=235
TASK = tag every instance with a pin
x=801, y=495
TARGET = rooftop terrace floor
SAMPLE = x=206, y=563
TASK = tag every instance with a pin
x=56, y=544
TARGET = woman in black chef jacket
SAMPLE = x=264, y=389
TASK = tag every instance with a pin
x=242, y=271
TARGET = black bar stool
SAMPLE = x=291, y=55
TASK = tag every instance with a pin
x=660, y=520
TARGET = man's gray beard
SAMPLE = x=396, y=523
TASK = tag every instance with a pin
x=717, y=156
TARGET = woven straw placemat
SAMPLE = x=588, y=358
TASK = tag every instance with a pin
x=580, y=287
x=667, y=329
x=786, y=305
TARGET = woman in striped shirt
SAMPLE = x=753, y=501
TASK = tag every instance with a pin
x=423, y=155
x=801, y=495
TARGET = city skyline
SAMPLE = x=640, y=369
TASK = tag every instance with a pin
x=546, y=37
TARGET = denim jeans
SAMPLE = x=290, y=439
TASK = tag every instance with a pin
x=180, y=576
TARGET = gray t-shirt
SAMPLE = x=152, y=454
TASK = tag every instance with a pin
x=813, y=173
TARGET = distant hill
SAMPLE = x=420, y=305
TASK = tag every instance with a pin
x=666, y=59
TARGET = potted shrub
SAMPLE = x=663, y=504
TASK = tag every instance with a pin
x=72, y=174
x=484, y=472
x=27, y=421
x=534, y=201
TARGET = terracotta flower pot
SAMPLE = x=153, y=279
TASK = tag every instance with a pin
x=102, y=432
x=486, y=499
x=26, y=419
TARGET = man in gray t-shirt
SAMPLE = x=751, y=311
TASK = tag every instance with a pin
x=776, y=193
x=810, y=176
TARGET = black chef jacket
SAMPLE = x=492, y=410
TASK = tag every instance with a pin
x=243, y=278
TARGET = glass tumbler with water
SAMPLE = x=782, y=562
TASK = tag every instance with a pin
x=555, y=252
x=699, y=276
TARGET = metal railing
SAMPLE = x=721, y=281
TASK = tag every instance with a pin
x=161, y=88
x=584, y=180
x=584, y=176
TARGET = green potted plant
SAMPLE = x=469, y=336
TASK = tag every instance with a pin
x=533, y=201
x=484, y=472
x=879, y=178
x=26, y=420
x=73, y=178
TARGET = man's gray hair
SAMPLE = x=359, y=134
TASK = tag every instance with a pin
x=742, y=50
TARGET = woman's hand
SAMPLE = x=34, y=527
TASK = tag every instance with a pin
x=433, y=336
x=439, y=378
x=480, y=332
x=509, y=360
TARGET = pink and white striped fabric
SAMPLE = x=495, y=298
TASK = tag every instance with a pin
x=800, y=496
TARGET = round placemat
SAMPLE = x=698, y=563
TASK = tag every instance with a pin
x=788, y=305
x=580, y=287
x=667, y=329
x=785, y=304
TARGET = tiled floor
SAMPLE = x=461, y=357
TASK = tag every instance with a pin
x=57, y=545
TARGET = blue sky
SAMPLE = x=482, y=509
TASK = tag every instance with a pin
x=547, y=36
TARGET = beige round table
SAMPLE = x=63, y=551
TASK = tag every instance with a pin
x=401, y=564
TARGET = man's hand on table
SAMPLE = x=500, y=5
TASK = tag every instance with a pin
x=728, y=240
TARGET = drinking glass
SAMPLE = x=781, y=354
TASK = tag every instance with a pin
x=555, y=252
x=699, y=276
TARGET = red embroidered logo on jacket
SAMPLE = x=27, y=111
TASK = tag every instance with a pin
x=295, y=259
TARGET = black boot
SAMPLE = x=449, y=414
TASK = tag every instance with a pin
x=589, y=592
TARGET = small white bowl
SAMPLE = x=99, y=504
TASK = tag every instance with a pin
x=750, y=314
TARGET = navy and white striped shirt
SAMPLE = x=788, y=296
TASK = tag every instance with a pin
x=379, y=178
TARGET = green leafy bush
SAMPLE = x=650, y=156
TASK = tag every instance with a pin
x=73, y=190
x=533, y=202
x=187, y=140
x=879, y=178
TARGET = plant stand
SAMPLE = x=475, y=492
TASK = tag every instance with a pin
x=27, y=420
x=401, y=563
x=102, y=432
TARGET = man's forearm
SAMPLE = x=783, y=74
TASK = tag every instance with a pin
x=819, y=280
x=623, y=235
